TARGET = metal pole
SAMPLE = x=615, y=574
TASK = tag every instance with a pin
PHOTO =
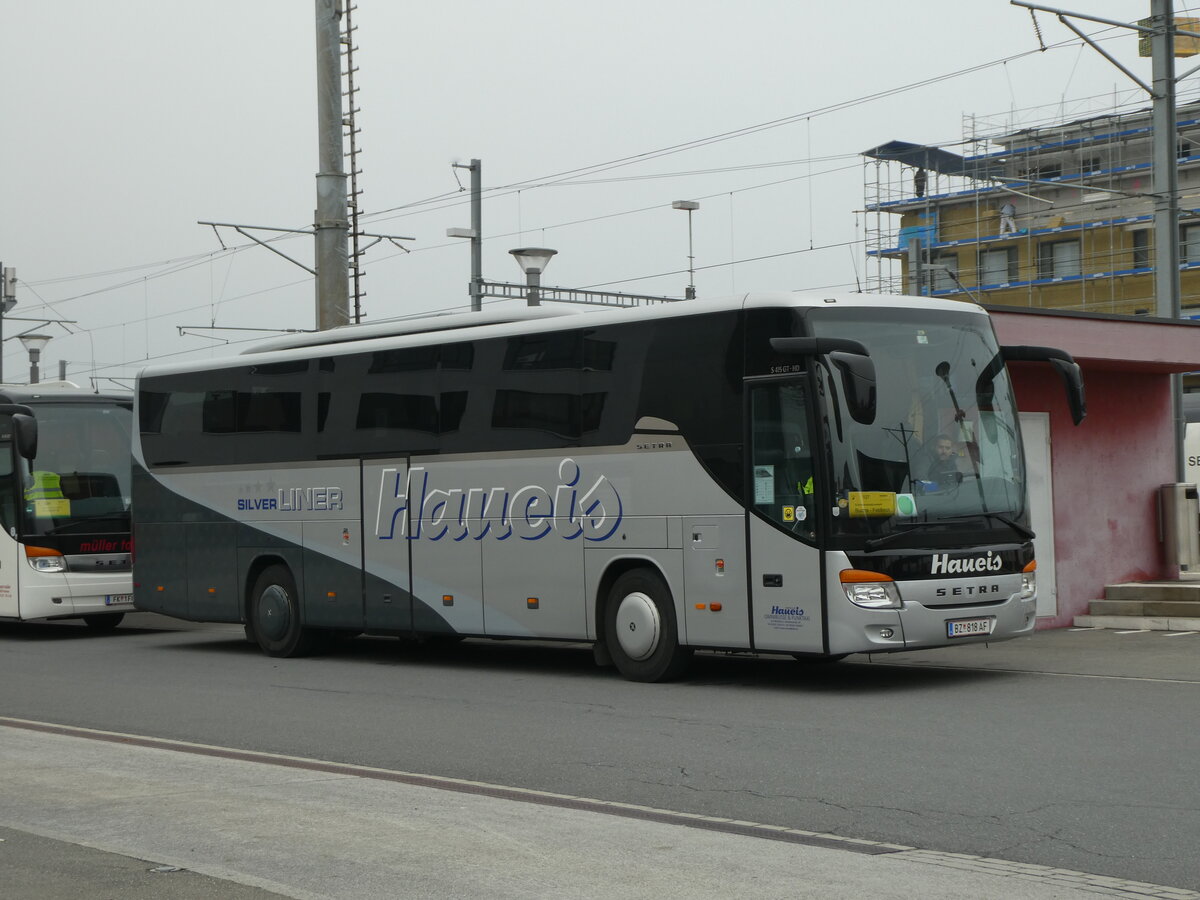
x=476, y=235
x=915, y=276
x=1166, y=197
x=33, y=365
x=691, y=291
x=1166, y=179
x=533, y=281
x=330, y=225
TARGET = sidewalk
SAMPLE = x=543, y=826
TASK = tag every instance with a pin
x=91, y=817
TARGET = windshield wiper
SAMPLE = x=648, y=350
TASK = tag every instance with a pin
x=880, y=542
x=1014, y=525
x=76, y=520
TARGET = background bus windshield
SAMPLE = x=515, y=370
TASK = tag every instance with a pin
x=944, y=444
x=79, y=482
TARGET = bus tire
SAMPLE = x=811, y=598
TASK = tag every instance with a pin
x=274, y=615
x=103, y=621
x=640, y=630
x=813, y=659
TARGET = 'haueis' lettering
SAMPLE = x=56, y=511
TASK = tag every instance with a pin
x=412, y=507
x=942, y=564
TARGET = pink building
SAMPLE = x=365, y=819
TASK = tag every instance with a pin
x=1104, y=475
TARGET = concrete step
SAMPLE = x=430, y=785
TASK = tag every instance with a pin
x=1188, y=591
x=1152, y=605
x=1156, y=608
x=1132, y=623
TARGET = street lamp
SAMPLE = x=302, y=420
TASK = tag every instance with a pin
x=34, y=343
x=691, y=206
x=533, y=261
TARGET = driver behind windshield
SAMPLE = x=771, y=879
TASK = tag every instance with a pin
x=940, y=469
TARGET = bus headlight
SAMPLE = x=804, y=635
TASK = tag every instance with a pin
x=43, y=559
x=870, y=589
x=1029, y=581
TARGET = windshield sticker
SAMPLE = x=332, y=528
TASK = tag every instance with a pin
x=54, y=507
x=906, y=506
x=764, y=484
x=875, y=504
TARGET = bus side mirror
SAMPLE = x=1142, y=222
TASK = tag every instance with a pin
x=850, y=358
x=25, y=435
x=858, y=383
x=1066, y=366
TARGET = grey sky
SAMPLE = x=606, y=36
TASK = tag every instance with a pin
x=126, y=121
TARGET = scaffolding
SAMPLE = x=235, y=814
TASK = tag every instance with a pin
x=1044, y=207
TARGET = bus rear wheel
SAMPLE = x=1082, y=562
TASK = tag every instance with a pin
x=274, y=615
x=640, y=630
x=103, y=621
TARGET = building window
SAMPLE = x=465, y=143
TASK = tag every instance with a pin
x=945, y=272
x=1044, y=170
x=1058, y=259
x=1189, y=244
x=998, y=266
x=1141, y=248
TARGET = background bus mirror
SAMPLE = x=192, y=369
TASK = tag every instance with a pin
x=25, y=435
x=858, y=384
x=1067, y=367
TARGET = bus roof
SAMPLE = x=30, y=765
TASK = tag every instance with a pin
x=58, y=392
x=513, y=321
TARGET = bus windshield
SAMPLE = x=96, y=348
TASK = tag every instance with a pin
x=944, y=448
x=79, y=483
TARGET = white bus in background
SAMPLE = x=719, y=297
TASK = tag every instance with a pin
x=64, y=504
x=760, y=474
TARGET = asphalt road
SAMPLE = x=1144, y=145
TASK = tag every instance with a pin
x=1066, y=749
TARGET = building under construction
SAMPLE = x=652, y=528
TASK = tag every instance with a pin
x=1047, y=208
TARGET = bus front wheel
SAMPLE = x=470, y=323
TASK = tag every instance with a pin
x=640, y=630
x=275, y=615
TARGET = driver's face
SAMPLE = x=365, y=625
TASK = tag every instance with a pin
x=944, y=449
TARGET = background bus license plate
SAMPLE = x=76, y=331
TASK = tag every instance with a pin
x=965, y=627
x=117, y=599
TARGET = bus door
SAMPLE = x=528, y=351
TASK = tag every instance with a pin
x=11, y=552
x=422, y=573
x=387, y=549
x=787, y=606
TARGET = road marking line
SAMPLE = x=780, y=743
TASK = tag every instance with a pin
x=1134, y=631
x=1180, y=633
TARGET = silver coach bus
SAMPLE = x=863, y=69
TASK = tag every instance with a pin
x=807, y=475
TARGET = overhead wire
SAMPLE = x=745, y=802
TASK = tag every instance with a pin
x=579, y=176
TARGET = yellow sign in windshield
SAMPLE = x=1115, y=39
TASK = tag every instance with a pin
x=871, y=503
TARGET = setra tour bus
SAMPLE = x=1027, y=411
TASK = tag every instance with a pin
x=64, y=504
x=761, y=474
